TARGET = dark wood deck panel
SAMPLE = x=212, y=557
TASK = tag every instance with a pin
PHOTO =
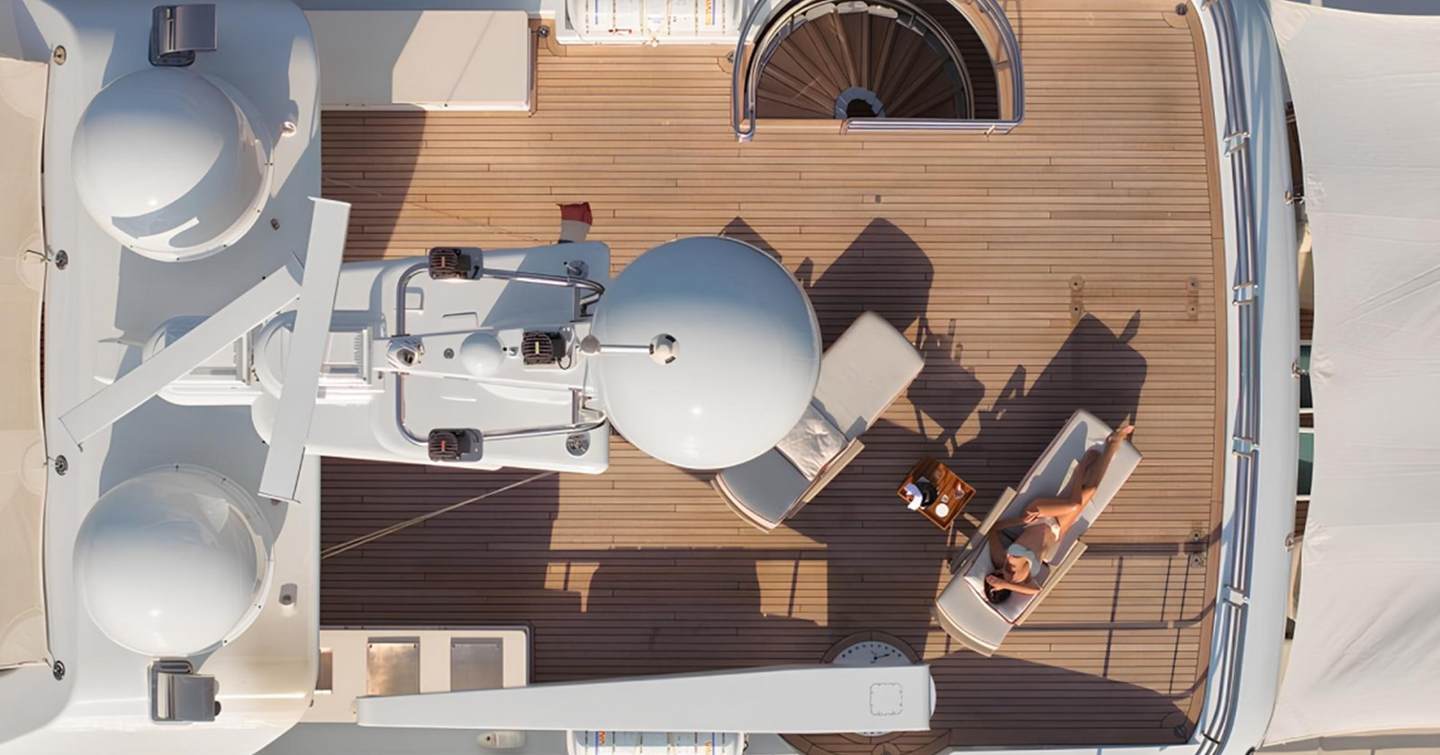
x=1071, y=263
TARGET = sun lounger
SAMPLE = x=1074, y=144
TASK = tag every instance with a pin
x=860, y=376
x=962, y=608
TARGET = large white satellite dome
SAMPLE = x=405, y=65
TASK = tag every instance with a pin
x=170, y=563
x=745, y=343
x=171, y=163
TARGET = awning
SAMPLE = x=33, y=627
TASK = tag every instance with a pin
x=1366, y=653
x=22, y=443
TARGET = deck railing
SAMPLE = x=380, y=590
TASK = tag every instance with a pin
x=745, y=75
x=1232, y=603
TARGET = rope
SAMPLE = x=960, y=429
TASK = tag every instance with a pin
x=336, y=550
x=351, y=544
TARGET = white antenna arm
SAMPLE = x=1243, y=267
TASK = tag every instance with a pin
x=218, y=331
x=305, y=355
x=772, y=700
x=663, y=348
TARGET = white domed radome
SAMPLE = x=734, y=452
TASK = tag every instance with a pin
x=735, y=352
x=171, y=163
x=170, y=563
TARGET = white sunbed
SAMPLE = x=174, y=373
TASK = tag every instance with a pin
x=861, y=374
x=962, y=609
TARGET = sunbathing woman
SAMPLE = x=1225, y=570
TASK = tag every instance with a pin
x=1044, y=524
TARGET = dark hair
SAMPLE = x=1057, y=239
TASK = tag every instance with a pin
x=996, y=597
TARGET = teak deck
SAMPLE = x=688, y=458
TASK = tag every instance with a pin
x=1072, y=263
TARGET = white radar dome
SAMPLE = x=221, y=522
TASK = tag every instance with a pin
x=170, y=563
x=171, y=163
x=734, y=352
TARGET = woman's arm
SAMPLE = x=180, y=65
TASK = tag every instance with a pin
x=1005, y=524
x=1028, y=587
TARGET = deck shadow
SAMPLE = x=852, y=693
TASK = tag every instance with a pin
x=1095, y=369
x=476, y=564
x=881, y=261
x=649, y=610
x=863, y=278
x=613, y=611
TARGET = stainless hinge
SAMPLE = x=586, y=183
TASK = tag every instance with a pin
x=179, y=695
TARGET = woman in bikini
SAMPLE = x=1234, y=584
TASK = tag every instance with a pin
x=1044, y=524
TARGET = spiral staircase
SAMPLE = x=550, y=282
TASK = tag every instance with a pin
x=911, y=63
x=849, y=59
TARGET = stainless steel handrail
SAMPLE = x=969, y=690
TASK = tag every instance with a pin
x=576, y=425
x=744, y=74
x=595, y=288
x=1011, y=45
x=742, y=112
x=1231, y=612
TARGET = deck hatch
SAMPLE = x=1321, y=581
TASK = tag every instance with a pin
x=476, y=663
x=392, y=666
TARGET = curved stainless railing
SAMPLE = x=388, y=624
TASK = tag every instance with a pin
x=744, y=75
x=742, y=102
x=576, y=425
x=1231, y=606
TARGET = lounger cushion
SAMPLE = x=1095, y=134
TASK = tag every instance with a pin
x=863, y=372
x=968, y=616
x=812, y=443
x=962, y=608
x=766, y=486
x=1051, y=473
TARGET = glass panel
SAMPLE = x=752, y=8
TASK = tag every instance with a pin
x=1307, y=401
x=1307, y=463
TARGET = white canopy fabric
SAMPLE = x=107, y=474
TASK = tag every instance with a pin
x=1366, y=654
x=22, y=445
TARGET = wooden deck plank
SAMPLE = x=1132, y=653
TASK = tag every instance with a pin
x=970, y=245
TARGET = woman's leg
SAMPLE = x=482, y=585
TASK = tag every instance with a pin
x=1084, y=481
x=1055, y=507
x=1083, y=484
x=1088, y=475
x=1112, y=446
x=1068, y=519
x=1073, y=498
